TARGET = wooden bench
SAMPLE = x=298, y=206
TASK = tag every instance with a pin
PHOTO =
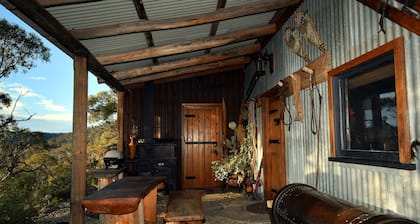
x=131, y=200
x=184, y=207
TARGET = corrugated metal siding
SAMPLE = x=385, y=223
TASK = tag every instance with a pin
x=348, y=30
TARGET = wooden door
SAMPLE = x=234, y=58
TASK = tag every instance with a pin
x=274, y=146
x=202, y=144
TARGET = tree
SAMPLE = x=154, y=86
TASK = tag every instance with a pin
x=102, y=111
x=102, y=107
x=19, y=51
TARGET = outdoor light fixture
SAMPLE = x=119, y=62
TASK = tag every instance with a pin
x=260, y=61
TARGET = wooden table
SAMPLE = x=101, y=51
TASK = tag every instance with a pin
x=129, y=200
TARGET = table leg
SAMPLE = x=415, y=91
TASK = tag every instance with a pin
x=150, y=207
x=136, y=217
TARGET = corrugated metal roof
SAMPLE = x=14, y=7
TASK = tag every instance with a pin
x=164, y=9
x=182, y=34
x=230, y=46
x=244, y=22
x=180, y=56
x=115, y=44
x=231, y=3
x=128, y=65
x=96, y=15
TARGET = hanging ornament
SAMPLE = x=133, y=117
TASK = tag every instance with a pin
x=291, y=37
x=307, y=28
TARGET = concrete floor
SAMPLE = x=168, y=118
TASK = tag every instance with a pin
x=228, y=208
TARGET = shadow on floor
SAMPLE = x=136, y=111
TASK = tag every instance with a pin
x=228, y=208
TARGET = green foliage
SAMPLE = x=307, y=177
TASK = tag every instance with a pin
x=102, y=107
x=19, y=50
x=17, y=199
x=35, y=173
x=15, y=145
x=22, y=171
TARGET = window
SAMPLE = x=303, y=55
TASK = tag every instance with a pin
x=368, y=109
x=157, y=129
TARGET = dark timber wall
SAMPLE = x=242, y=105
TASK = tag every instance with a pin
x=168, y=97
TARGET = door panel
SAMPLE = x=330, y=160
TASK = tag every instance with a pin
x=274, y=149
x=201, y=127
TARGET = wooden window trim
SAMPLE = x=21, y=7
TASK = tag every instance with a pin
x=397, y=46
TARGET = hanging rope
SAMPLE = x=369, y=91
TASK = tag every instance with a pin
x=313, y=87
x=289, y=115
x=315, y=123
x=383, y=15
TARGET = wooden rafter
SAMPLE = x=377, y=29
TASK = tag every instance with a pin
x=51, y=3
x=414, y=4
x=184, y=21
x=188, y=76
x=213, y=30
x=405, y=20
x=189, y=46
x=193, y=69
x=194, y=61
x=141, y=12
x=280, y=18
x=58, y=34
x=202, y=73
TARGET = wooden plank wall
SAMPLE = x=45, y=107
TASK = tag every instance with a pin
x=169, y=97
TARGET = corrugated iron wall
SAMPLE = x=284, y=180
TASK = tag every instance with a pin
x=348, y=30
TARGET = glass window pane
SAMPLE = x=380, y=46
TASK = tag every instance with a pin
x=372, y=111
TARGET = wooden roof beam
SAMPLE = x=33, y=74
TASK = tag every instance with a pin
x=184, y=21
x=405, y=20
x=198, y=74
x=203, y=59
x=188, y=76
x=188, y=46
x=31, y=12
x=51, y=3
x=280, y=18
x=234, y=62
x=414, y=4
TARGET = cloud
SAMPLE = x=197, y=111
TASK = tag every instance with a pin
x=26, y=92
x=37, y=78
x=49, y=105
x=54, y=117
x=17, y=89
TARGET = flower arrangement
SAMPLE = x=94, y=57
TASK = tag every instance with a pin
x=235, y=162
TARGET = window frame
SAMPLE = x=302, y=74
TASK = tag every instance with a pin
x=337, y=152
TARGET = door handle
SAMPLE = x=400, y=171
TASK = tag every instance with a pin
x=274, y=141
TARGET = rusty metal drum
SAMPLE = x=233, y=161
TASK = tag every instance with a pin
x=303, y=204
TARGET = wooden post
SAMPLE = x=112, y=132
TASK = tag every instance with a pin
x=120, y=119
x=78, y=179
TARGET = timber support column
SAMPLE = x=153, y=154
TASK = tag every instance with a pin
x=120, y=119
x=80, y=107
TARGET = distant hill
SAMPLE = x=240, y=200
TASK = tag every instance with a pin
x=48, y=136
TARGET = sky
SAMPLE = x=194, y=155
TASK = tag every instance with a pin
x=46, y=90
